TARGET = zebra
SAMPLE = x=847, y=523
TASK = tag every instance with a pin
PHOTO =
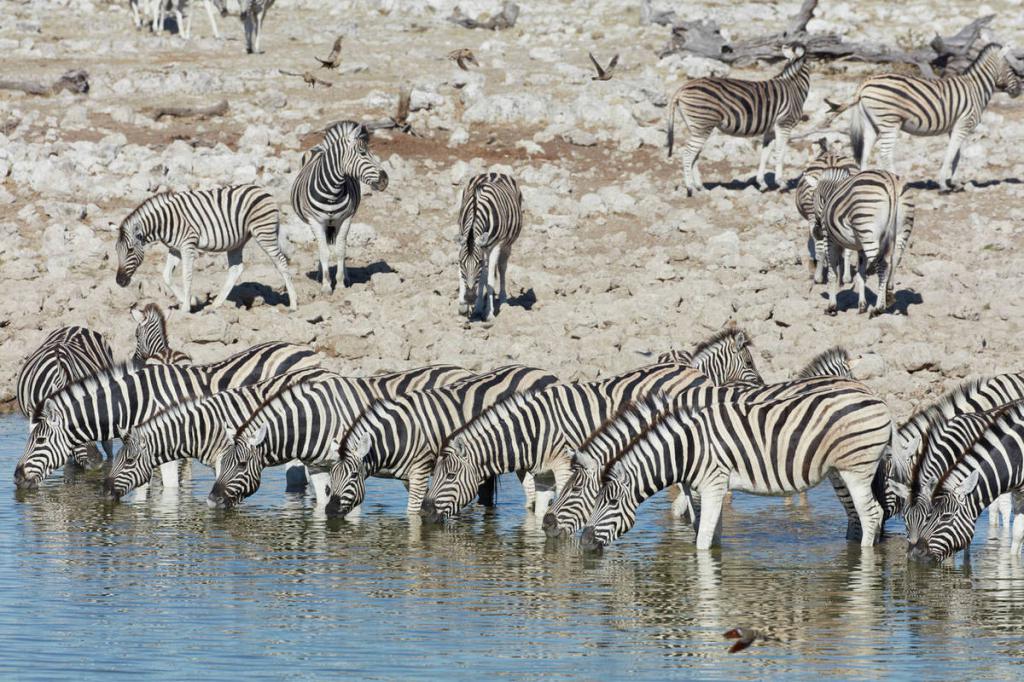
x=946, y=442
x=993, y=467
x=303, y=422
x=399, y=438
x=871, y=214
x=105, y=405
x=769, y=108
x=490, y=220
x=826, y=159
x=66, y=355
x=151, y=345
x=534, y=432
x=326, y=192
x=769, y=448
x=160, y=9
x=724, y=357
x=253, y=13
x=195, y=428
x=884, y=105
x=216, y=220
x=576, y=500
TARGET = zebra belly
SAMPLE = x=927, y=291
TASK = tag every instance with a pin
x=921, y=128
x=737, y=481
x=218, y=245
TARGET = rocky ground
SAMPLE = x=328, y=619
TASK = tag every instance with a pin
x=615, y=263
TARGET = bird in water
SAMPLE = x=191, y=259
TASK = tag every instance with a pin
x=307, y=77
x=603, y=74
x=333, y=60
x=463, y=56
x=745, y=636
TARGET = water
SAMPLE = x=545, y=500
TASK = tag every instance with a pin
x=171, y=588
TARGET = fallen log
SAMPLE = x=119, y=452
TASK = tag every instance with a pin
x=218, y=109
x=76, y=81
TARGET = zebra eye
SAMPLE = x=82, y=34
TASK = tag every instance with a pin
x=450, y=476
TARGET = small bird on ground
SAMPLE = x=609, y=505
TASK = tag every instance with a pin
x=333, y=60
x=605, y=73
x=307, y=77
x=463, y=56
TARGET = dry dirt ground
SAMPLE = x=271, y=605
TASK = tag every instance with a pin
x=615, y=263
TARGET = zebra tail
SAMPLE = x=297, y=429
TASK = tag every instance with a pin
x=671, y=125
x=857, y=134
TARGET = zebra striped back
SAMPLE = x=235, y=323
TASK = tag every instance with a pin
x=993, y=467
x=151, y=343
x=65, y=356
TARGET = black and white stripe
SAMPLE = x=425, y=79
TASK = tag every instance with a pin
x=217, y=220
x=769, y=108
x=304, y=422
x=993, y=467
x=66, y=355
x=104, y=406
x=769, y=448
x=871, y=214
x=160, y=9
x=400, y=438
x=808, y=183
x=835, y=362
x=490, y=220
x=884, y=105
x=536, y=431
x=326, y=192
x=151, y=344
x=253, y=13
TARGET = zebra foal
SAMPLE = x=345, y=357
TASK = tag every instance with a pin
x=886, y=104
x=217, y=220
x=742, y=108
x=490, y=220
x=871, y=214
x=326, y=192
x=253, y=13
x=826, y=159
x=151, y=345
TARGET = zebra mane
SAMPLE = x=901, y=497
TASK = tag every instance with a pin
x=710, y=344
x=151, y=204
x=936, y=413
x=291, y=388
x=673, y=417
x=359, y=425
x=639, y=409
x=498, y=413
x=337, y=132
x=87, y=384
x=982, y=55
x=833, y=356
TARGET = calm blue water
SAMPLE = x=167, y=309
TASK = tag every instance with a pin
x=167, y=587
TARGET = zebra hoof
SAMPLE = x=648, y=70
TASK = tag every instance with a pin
x=831, y=311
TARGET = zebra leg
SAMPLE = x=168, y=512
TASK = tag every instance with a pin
x=762, y=164
x=320, y=480
x=248, y=23
x=323, y=253
x=694, y=145
x=952, y=158
x=820, y=254
x=503, y=256
x=187, y=257
x=887, y=148
x=781, y=144
x=853, y=529
x=169, y=474
x=295, y=476
x=529, y=488
x=184, y=30
x=340, y=246
x=173, y=258
x=1017, y=509
x=417, y=487
x=235, y=268
x=884, y=273
x=834, y=261
x=868, y=510
x=213, y=20
x=492, y=275
x=258, y=30
x=273, y=250
x=709, y=530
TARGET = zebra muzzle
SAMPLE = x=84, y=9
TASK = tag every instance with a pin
x=919, y=552
x=122, y=279
x=23, y=481
x=589, y=540
x=428, y=510
x=381, y=184
x=110, y=490
x=551, y=528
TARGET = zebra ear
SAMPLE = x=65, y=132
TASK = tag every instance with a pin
x=137, y=314
x=50, y=415
x=334, y=448
x=964, y=487
x=459, y=448
x=260, y=435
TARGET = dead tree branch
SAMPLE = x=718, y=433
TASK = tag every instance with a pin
x=218, y=109
x=76, y=81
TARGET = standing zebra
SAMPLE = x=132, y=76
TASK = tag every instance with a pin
x=151, y=345
x=769, y=448
x=105, y=405
x=535, y=432
x=490, y=220
x=808, y=183
x=871, y=214
x=326, y=192
x=304, y=421
x=253, y=12
x=884, y=105
x=742, y=108
x=183, y=18
x=195, y=428
x=66, y=355
x=400, y=438
x=993, y=467
x=217, y=220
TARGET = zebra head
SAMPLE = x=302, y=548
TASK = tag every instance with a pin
x=150, y=333
x=572, y=507
x=241, y=467
x=49, y=446
x=725, y=358
x=347, y=488
x=133, y=466
x=949, y=524
x=1007, y=78
x=614, y=513
x=453, y=484
x=347, y=144
x=130, y=247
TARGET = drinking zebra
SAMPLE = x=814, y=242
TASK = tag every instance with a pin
x=105, y=405
x=303, y=422
x=253, y=13
x=151, y=345
x=871, y=214
x=535, y=432
x=993, y=467
x=66, y=355
x=400, y=438
x=742, y=108
x=769, y=448
x=490, y=220
x=195, y=428
x=808, y=183
x=884, y=105
x=326, y=192
x=217, y=220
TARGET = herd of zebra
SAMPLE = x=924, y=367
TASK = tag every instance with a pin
x=699, y=423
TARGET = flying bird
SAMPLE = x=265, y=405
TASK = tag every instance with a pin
x=307, y=77
x=605, y=73
x=744, y=637
x=463, y=56
x=333, y=60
